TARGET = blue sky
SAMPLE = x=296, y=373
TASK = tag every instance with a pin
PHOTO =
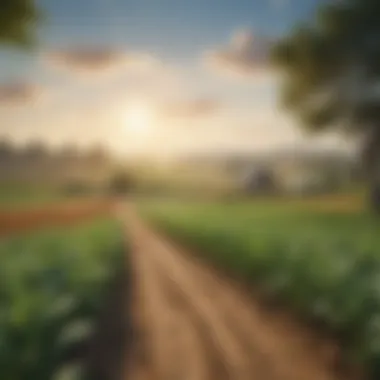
x=181, y=35
x=176, y=28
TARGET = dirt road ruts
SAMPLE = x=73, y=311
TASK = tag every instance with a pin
x=194, y=324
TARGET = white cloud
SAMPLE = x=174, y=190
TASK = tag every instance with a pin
x=244, y=56
x=20, y=93
x=95, y=62
x=191, y=108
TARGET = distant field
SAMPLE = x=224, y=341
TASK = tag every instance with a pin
x=19, y=196
x=321, y=256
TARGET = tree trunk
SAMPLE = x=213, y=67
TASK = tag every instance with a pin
x=371, y=160
x=374, y=197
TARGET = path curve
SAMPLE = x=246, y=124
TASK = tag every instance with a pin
x=194, y=324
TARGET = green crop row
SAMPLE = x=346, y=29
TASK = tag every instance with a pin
x=52, y=287
x=324, y=264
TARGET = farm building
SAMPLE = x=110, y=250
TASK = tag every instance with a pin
x=260, y=181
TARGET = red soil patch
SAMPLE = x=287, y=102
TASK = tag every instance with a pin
x=53, y=215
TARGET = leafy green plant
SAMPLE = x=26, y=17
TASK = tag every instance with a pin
x=52, y=285
x=324, y=264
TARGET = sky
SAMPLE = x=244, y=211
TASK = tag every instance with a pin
x=153, y=77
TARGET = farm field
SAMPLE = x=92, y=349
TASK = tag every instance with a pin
x=17, y=196
x=21, y=197
x=320, y=256
x=56, y=213
x=53, y=286
x=65, y=310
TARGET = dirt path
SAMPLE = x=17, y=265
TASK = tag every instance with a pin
x=193, y=324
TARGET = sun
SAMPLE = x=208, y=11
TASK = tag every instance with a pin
x=138, y=118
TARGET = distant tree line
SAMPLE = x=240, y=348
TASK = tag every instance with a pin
x=35, y=161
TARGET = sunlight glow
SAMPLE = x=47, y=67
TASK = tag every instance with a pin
x=138, y=118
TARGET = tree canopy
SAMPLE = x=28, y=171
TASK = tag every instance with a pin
x=332, y=68
x=17, y=22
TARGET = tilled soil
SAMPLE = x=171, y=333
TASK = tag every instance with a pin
x=191, y=323
x=64, y=213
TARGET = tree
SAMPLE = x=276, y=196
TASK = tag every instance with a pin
x=7, y=150
x=332, y=73
x=120, y=183
x=69, y=153
x=36, y=151
x=17, y=22
x=97, y=155
x=262, y=181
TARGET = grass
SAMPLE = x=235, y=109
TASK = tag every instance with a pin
x=321, y=257
x=52, y=286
